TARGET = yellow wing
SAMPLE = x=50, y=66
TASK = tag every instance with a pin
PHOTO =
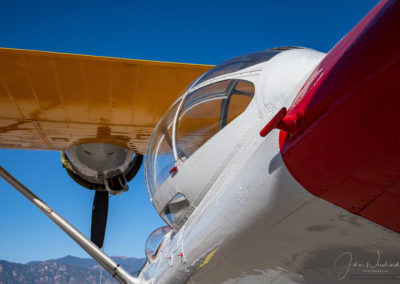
x=53, y=101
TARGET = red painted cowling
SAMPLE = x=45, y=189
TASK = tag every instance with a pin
x=349, y=149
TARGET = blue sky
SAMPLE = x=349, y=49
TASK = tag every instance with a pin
x=205, y=32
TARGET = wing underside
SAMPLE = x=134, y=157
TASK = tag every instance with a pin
x=52, y=101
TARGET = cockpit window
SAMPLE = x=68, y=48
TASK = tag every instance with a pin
x=154, y=242
x=237, y=63
x=209, y=109
x=161, y=159
x=176, y=209
x=199, y=117
x=240, y=62
x=237, y=102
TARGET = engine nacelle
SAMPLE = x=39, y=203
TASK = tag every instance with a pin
x=101, y=167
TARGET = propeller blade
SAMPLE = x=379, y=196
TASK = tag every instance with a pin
x=99, y=217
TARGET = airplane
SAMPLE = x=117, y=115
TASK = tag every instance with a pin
x=279, y=166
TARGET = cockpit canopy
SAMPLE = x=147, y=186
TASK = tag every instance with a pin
x=199, y=116
x=202, y=111
x=238, y=63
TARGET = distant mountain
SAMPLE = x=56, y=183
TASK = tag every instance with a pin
x=65, y=270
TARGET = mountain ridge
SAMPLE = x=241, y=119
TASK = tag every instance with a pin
x=64, y=270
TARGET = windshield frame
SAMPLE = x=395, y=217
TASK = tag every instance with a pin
x=224, y=111
x=178, y=110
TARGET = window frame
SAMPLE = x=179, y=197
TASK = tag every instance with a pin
x=224, y=110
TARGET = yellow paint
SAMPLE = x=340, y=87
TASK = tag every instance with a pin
x=53, y=101
x=207, y=259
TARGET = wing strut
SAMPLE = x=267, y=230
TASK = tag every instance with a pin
x=121, y=275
